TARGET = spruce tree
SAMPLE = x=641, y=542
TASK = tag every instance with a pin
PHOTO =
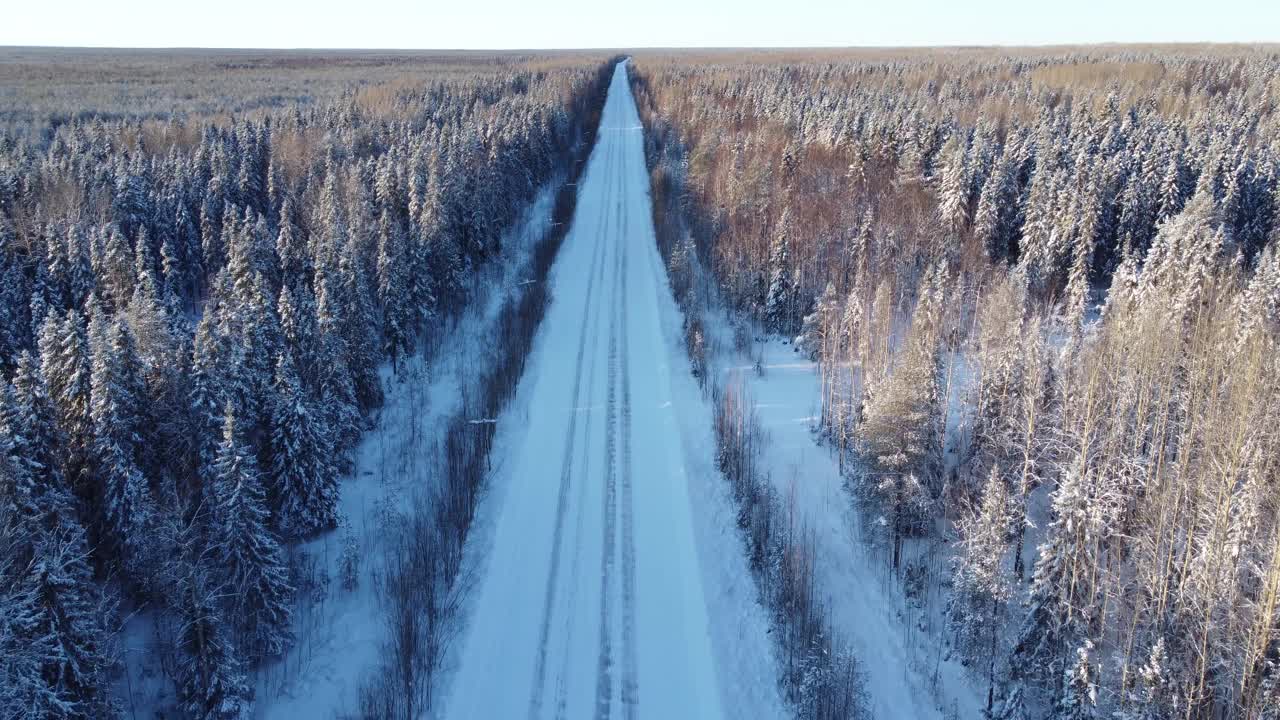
x=980, y=585
x=71, y=612
x=208, y=394
x=360, y=329
x=1079, y=699
x=15, y=327
x=780, y=300
x=334, y=378
x=247, y=552
x=291, y=248
x=123, y=497
x=953, y=190
x=39, y=441
x=24, y=692
x=1058, y=604
x=64, y=359
x=210, y=673
x=988, y=227
x=303, y=479
x=392, y=288
x=818, y=324
x=300, y=335
x=60, y=615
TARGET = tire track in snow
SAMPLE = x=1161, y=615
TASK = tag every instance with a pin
x=571, y=610
x=540, y=665
x=604, y=673
x=630, y=681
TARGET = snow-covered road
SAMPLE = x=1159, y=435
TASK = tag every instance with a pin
x=589, y=599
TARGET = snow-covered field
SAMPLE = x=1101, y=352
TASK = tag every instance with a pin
x=592, y=560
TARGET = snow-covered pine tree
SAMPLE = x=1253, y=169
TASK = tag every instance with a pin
x=1185, y=247
x=1012, y=707
x=1079, y=699
x=819, y=324
x=209, y=673
x=72, y=613
x=24, y=693
x=980, y=583
x=779, y=304
x=860, y=252
x=329, y=222
x=336, y=388
x=241, y=262
x=1041, y=239
x=208, y=397
x=291, y=248
x=988, y=220
x=392, y=288
x=60, y=615
x=115, y=267
x=953, y=190
x=1259, y=304
x=82, y=283
x=148, y=320
x=132, y=205
x=122, y=499
x=1152, y=698
x=1172, y=192
x=1059, y=604
x=845, y=414
x=360, y=327
x=246, y=551
x=440, y=243
x=180, y=255
x=1027, y=433
x=299, y=334
x=999, y=329
x=39, y=440
x=1075, y=305
x=262, y=341
x=304, y=487
x=64, y=359
x=15, y=326
x=901, y=426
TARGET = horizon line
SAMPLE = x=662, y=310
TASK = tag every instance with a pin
x=956, y=46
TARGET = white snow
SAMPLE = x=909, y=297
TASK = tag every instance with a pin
x=608, y=575
x=339, y=633
x=667, y=623
x=340, y=641
x=865, y=604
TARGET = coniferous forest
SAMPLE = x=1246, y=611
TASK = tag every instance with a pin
x=197, y=289
x=1043, y=292
x=253, y=303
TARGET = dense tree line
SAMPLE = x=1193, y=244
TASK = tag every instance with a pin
x=193, y=313
x=1044, y=293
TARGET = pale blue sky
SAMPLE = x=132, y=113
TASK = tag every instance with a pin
x=628, y=23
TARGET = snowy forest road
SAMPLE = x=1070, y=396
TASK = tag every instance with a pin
x=589, y=601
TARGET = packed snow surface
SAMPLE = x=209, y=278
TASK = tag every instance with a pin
x=590, y=601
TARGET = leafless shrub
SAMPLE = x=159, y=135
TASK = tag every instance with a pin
x=349, y=562
x=819, y=677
